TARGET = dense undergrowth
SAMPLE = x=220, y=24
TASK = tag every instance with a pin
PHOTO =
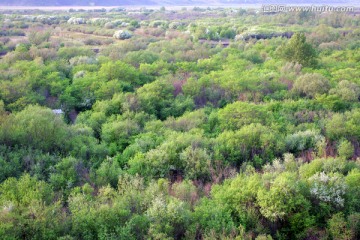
x=189, y=129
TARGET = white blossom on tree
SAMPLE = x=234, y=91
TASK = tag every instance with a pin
x=328, y=188
x=76, y=21
x=122, y=35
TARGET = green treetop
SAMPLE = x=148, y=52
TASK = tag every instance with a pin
x=298, y=50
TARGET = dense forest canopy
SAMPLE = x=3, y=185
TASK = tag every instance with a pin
x=192, y=124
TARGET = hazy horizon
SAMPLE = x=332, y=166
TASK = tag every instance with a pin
x=154, y=3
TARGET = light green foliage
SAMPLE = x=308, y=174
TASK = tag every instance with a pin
x=155, y=96
x=336, y=127
x=31, y=80
x=345, y=149
x=70, y=52
x=93, y=119
x=263, y=237
x=119, y=71
x=65, y=174
x=108, y=173
x=26, y=209
x=353, y=221
x=141, y=57
x=24, y=191
x=353, y=191
x=168, y=218
x=326, y=165
x=185, y=191
x=97, y=219
x=337, y=227
x=240, y=194
x=167, y=157
x=282, y=198
x=36, y=127
x=332, y=165
x=237, y=147
x=142, y=144
x=197, y=163
x=311, y=84
x=211, y=216
x=84, y=145
x=118, y=131
x=80, y=94
x=236, y=115
x=37, y=38
x=343, y=125
x=187, y=121
x=347, y=91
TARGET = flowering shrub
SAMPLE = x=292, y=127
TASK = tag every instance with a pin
x=122, y=35
x=328, y=188
x=301, y=141
x=76, y=21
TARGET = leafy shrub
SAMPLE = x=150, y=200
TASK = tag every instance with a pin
x=122, y=35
